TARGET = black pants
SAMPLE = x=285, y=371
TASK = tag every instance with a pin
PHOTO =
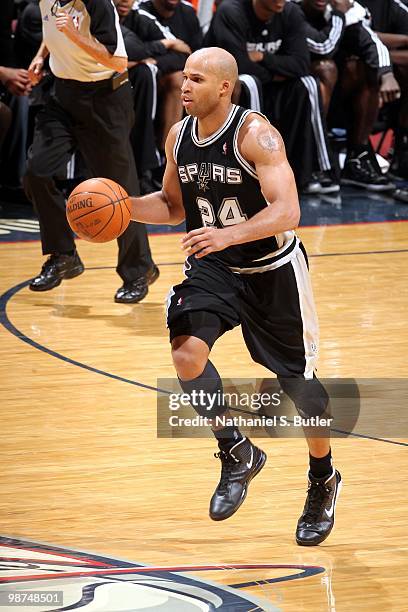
x=294, y=106
x=97, y=121
x=144, y=82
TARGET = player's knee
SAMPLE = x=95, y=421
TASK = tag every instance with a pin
x=188, y=360
x=309, y=395
x=187, y=365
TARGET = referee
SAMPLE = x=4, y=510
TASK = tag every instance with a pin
x=91, y=109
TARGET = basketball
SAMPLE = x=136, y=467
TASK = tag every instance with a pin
x=98, y=210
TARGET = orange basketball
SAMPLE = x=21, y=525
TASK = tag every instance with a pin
x=98, y=210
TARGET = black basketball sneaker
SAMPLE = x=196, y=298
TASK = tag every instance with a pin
x=317, y=520
x=238, y=467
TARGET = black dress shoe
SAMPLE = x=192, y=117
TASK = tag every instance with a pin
x=238, y=468
x=136, y=290
x=55, y=269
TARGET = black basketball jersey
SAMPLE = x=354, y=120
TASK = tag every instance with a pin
x=221, y=188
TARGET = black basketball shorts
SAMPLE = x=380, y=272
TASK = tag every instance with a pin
x=275, y=309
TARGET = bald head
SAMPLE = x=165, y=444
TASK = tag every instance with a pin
x=217, y=61
x=209, y=79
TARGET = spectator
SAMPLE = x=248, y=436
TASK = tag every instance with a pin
x=15, y=85
x=90, y=109
x=16, y=82
x=268, y=40
x=389, y=18
x=28, y=33
x=340, y=42
x=6, y=41
x=178, y=20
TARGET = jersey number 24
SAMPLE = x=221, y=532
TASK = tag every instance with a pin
x=229, y=213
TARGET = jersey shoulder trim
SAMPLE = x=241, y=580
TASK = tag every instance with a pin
x=180, y=137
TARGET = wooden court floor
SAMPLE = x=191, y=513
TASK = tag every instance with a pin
x=81, y=465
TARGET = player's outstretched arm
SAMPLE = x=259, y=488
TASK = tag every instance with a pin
x=165, y=206
x=262, y=146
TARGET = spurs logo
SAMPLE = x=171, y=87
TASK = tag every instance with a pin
x=203, y=177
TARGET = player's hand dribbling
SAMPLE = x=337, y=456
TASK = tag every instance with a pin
x=206, y=240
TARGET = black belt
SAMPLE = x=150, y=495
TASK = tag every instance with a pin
x=114, y=82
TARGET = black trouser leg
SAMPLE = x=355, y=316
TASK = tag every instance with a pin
x=48, y=156
x=143, y=79
x=293, y=106
x=107, y=151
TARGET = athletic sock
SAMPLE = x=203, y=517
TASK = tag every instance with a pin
x=228, y=437
x=321, y=466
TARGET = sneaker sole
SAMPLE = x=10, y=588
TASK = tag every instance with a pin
x=258, y=468
x=302, y=543
x=376, y=188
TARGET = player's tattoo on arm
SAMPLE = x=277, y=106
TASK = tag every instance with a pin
x=269, y=139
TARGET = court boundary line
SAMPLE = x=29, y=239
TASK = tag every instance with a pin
x=179, y=233
x=14, y=331
x=310, y=256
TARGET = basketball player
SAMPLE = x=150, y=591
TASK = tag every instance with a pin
x=228, y=176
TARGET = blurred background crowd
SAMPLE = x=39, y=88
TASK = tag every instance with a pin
x=332, y=75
